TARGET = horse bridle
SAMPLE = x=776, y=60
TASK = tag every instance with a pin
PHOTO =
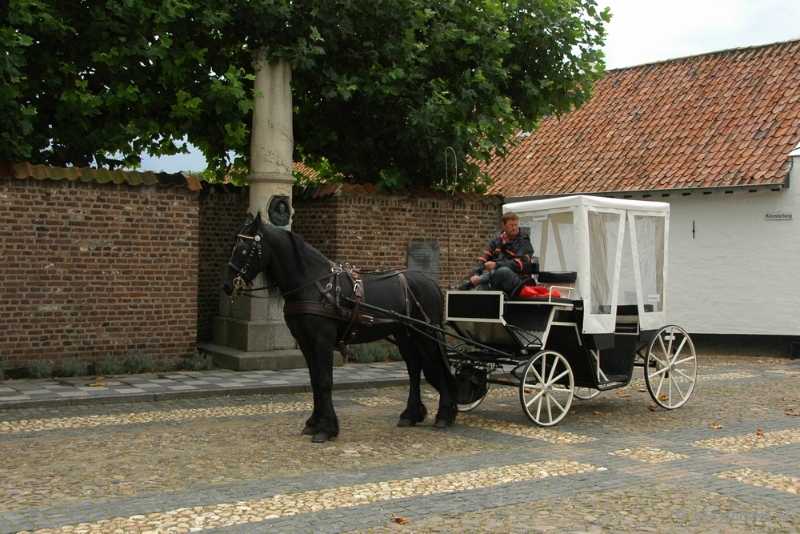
x=241, y=282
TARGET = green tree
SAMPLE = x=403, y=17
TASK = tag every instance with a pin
x=380, y=89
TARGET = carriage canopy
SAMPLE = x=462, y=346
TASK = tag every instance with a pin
x=618, y=248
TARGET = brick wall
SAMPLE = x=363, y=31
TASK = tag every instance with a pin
x=223, y=210
x=90, y=270
x=373, y=232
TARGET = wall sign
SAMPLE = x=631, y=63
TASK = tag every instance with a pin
x=423, y=256
x=779, y=216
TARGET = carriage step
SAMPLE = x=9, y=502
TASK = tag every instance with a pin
x=612, y=379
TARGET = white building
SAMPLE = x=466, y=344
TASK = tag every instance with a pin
x=716, y=136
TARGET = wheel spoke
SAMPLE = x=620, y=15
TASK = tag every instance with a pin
x=685, y=360
x=678, y=350
x=549, y=409
x=544, y=369
x=680, y=372
x=559, y=377
x=677, y=388
x=671, y=334
x=660, y=384
x=537, y=375
x=552, y=371
x=659, y=372
x=534, y=398
x=555, y=401
x=539, y=409
x=663, y=348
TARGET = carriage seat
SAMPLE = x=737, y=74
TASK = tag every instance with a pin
x=545, y=277
x=557, y=277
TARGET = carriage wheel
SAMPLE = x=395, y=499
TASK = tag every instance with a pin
x=670, y=369
x=473, y=405
x=546, y=388
x=455, y=368
x=586, y=393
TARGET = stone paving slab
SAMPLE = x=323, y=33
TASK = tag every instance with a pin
x=155, y=387
x=727, y=461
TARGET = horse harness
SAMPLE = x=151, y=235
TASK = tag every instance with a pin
x=330, y=302
x=331, y=296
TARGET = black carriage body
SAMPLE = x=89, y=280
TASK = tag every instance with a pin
x=512, y=331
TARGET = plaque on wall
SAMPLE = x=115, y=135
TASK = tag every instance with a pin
x=279, y=211
x=423, y=256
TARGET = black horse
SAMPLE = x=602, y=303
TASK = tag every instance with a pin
x=327, y=306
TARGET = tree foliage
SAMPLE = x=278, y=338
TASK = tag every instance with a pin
x=380, y=88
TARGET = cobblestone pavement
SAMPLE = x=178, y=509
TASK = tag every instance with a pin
x=727, y=461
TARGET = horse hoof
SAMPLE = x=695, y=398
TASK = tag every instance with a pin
x=442, y=423
x=308, y=431
x=405, y=423
x=320, y=437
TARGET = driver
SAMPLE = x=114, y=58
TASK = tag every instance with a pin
x=506, y=260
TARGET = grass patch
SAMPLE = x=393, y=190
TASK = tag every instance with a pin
x=199, y=361
x=374, y=352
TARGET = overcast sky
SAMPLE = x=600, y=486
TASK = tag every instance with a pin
x=645, y=31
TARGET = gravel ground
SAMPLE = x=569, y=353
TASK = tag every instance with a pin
x=727, y=461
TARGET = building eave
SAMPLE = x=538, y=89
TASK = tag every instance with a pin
x=662, y=193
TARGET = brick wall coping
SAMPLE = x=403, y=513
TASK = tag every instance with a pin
x=370, y=190
x=24, y=170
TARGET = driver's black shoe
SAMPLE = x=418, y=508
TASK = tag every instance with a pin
x=465, y=286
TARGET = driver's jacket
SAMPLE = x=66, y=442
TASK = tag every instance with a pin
x=515, y=254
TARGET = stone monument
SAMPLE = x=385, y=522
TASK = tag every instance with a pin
x=250, y=333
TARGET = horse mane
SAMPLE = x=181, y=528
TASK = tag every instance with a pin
x=299, y=246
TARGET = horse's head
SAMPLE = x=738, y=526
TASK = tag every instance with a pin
x=247, y=259
x=259, y=246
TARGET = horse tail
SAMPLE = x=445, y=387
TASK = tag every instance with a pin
x=435, y=364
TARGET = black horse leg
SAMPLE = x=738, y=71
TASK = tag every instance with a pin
x=315, y=336
x=313, y=372
x=437, y=373
x=323, y=423
x=415, y=411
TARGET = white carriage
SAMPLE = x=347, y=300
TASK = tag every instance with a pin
x=600, y=312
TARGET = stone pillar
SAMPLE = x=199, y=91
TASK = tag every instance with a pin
x=250, y=333
x=272, y=141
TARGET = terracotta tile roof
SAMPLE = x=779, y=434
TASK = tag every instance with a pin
x=724, y=119
x=298, y=166
x=24, y=170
